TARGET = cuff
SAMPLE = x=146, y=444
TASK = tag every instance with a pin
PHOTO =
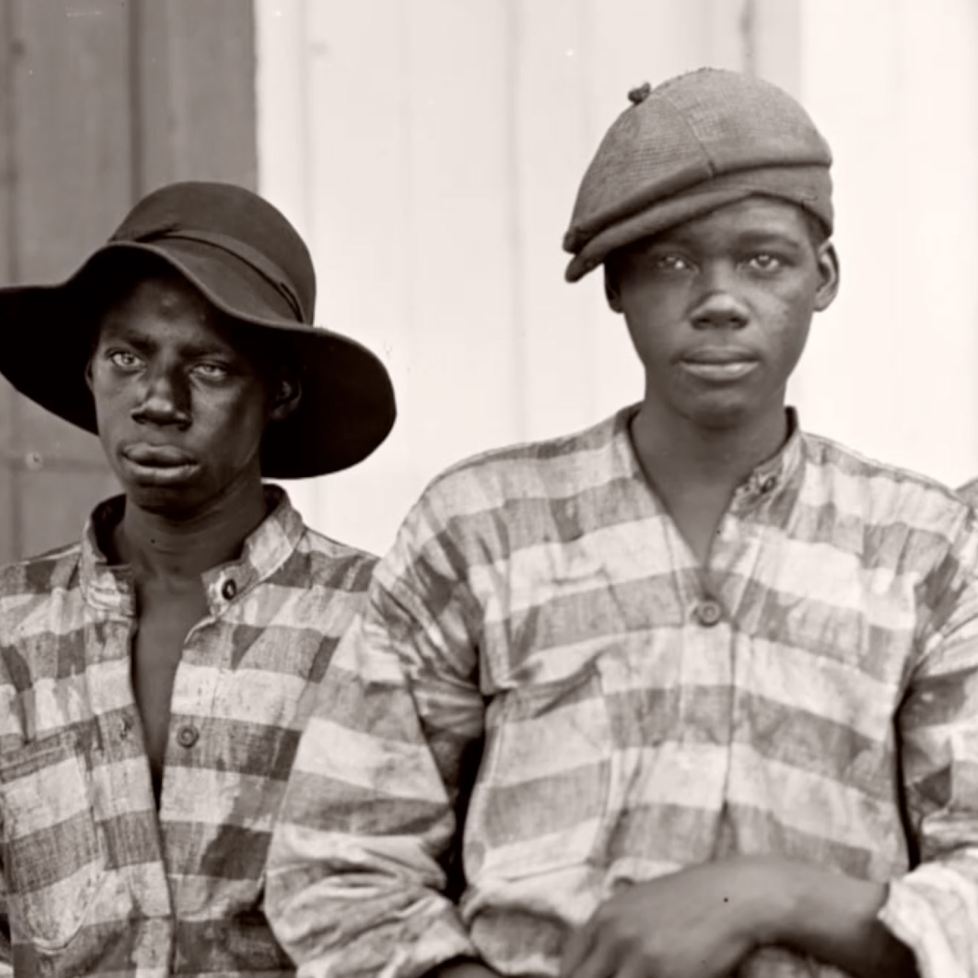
x=931, y=911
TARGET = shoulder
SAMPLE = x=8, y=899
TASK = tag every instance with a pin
x=38, y=600
x=37, y=577
x=484, y=509
x=550, y=468
x=886, y=498
x=321, y=562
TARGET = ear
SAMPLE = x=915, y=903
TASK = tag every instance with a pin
x=611, y=289
x=828, y=275
x=88, y=373
x=286, y=394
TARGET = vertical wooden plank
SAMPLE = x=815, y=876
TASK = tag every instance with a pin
x=71, y=132
x=49, y=520
x=194, y=88
x=353, y=125
x=407, y=142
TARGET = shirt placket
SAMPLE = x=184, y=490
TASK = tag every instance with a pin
x=732, y=571
x=124, y=801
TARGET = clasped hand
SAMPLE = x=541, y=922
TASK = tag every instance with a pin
x=697, y=923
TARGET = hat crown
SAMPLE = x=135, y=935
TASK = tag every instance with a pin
x=684, y=133
x=236, y=221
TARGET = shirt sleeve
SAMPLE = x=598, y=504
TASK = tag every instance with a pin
x=357, y=866
x=934, y=908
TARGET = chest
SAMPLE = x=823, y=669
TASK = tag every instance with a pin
x=167, y=613
x=636, y=594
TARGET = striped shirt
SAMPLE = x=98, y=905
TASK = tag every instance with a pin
x=95, y=881
x=812, y=693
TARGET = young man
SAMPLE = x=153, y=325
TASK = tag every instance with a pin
x=725, y=672
x=155, y=676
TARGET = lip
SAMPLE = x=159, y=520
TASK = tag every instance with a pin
x=157, y=456
x=719, y=363
x=158, y=465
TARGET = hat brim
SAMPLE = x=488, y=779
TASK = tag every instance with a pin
x=347, y=407
x=806, y=187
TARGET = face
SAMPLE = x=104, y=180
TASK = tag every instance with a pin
x=718, y=309
x=181, y=408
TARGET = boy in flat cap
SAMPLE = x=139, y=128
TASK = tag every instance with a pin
x=725, y=672
x=154, y=677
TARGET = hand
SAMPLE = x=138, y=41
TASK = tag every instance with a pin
x=697, y=923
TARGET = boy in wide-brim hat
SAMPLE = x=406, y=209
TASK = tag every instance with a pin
x=725, y=672
x=154, y=677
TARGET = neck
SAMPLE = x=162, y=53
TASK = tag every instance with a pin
x=679, y=456
x=186, y=545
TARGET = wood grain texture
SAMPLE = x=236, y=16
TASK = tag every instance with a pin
x=194, y=89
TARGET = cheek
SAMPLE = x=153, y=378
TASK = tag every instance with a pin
x=108, y=393
x=234, y=423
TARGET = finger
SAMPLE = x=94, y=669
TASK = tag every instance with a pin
x=599, y=961
x=634, y=967
x=576, y=949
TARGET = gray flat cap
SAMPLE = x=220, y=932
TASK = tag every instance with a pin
x=689, y=146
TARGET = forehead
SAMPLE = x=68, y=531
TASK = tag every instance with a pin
x=161, y=303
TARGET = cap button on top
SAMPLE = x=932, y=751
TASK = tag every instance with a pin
x=708, y=612
x=640, y=93
x=229, y=589
x=187, y=736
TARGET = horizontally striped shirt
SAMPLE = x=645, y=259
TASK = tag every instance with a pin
x=812, y=693
x=96, y=881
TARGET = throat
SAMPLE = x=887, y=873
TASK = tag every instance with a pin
x=157, y=546
x=695, y=472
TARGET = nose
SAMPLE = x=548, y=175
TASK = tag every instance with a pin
x=719, y=306
x=165, y=401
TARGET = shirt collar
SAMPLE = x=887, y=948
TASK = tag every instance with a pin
x=765, y=482
x=265, y=549
x=769, y=479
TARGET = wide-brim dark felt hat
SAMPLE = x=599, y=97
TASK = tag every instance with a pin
x=247, y=260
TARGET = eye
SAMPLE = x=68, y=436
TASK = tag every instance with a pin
x=211, y=371
x=764, y=261
x=125, y=359
x=671, y=262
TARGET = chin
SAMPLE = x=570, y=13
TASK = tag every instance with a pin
x=175, y=502
x=720, y=417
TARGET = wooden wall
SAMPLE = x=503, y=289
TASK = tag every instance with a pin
x=100, y=102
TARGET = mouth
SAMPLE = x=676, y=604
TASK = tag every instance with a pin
x=158, y=464
x=719, y=365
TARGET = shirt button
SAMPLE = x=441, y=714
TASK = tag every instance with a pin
x=229, y=589
x=768, y=484
x=708, y=612
x=187, y=736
